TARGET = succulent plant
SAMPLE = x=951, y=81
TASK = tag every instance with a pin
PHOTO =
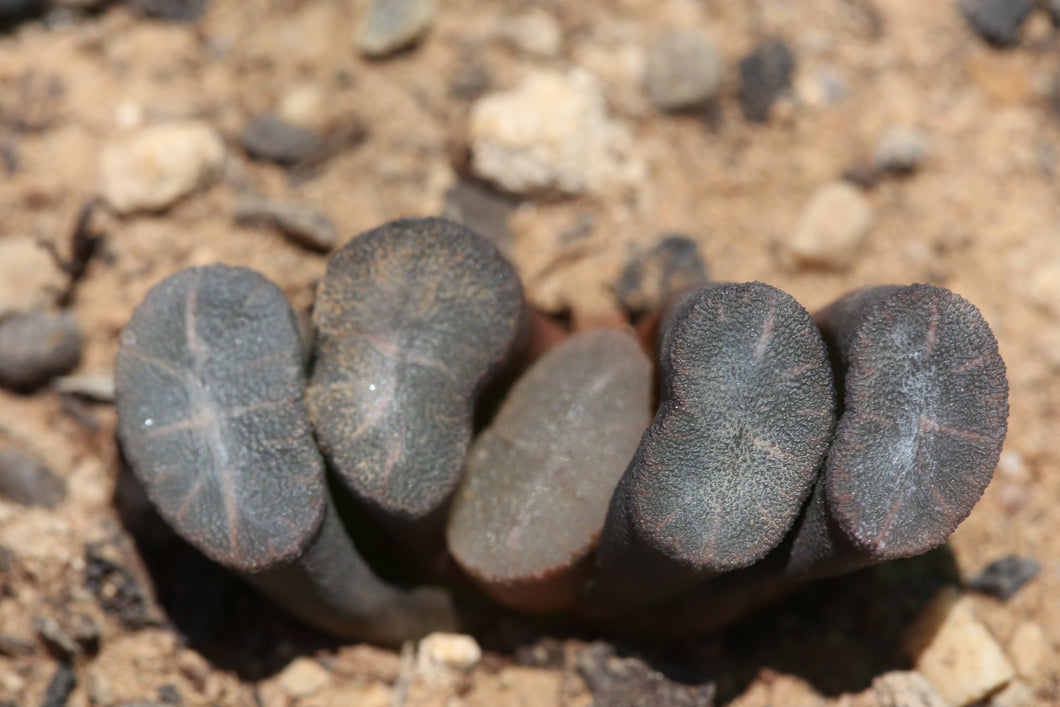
x=743, y=486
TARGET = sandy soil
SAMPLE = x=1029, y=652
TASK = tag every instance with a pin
x=981, y=216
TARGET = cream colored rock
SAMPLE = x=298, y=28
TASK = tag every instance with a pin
x=1043, y=285
x=903, y=688
x=442, y=657
x=392, y=25
x=551, y=132
x=1015, y=694
x=366, y=695
x=156, y=166
x=29, y=276
x=303, y=677
x=1032, y=652
x=956, y=652
x=534, y=32
x=831, y=228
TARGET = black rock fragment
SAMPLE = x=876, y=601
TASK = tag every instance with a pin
x=649, y=280
x=1003, y=578
x=171, y=10
x=61, y=686
x=765, y=74
x=996, y=21
x=630, y=682
x=119, y=593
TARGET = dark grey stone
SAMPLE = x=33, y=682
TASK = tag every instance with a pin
x=630, y=682
x=55, y=637
x=1003, y=578
x=37, y=346
x=268, y=137
x=27, y=480
x=171, y=10
x=996, y=21
x=309, y=227
x=765, y=74
x=116, y=589
x=650, y=279
x=62, y=684
x=485, y=211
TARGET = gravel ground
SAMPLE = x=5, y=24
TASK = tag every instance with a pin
x=845, y=143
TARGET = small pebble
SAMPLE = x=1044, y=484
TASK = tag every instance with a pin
x=900, y=150
x=37, y=346
x=997, y=21
x=684, y=69
x=51, y=633
x=303, y=677
x=485, y=211
x=26, y=480
x=159, y=165
x=442, y=657
x=97, y=387
x=905, y=688
x=363, y=695
x=13, y=647
x=551, y=132
x=631, y=681
x=469, y=81
x=534, y=32
x=393, y=25
x=955, y=651
x=1032, y=652
x=270, y=138
x=306, y=226
x=60, y=687
x=116, y=588
x=1003, y=578
x=170, y=10
x=765, y=74
x=831, y=228
x=306, y=106
x=650, y=279
x=29, y=276
x=1015, y=694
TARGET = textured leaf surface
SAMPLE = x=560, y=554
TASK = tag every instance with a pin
x=537, y=483
x=212, y=417
x=925, y=414
x=412, y=317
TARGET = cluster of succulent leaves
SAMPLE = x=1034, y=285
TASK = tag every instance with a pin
x=663, y=491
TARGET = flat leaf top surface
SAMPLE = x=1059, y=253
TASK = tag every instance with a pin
x=747, y=413
x=538, y=481
x=926, y=408
x=212, y=417
x=411, y=318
